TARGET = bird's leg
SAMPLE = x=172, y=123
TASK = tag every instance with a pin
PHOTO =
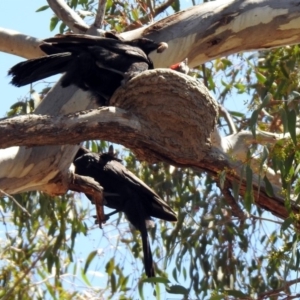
x=106, y=217
x=110, y=214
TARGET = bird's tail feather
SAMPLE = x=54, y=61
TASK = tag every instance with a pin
x=148, y=261
x=39, y=68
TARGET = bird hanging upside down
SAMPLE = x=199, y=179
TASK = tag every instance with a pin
x=95, y=64
x=133, y=197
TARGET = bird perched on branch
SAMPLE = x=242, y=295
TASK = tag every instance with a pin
x=133, y=197
x=95, y=64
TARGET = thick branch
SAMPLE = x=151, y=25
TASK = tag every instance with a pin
x=212, y=30
x=16, y=43
x=68, y=16
x=109, y=123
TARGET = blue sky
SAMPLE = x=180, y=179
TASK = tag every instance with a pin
x=19, y=15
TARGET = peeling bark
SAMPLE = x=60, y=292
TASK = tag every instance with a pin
x=210, y=30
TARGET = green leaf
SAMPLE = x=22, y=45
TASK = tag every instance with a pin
x=110, y=266
x=284, y=119
x=287, y=223
x=177, y=289
x=249, y=193
x=253, y=121
x=291, y=118
x=140, y=287
x=216, y=297
x=89, y=260
x=62, y=28
x=42, y=8
x=237, y=114
x=266, y=100
x=135, y=14
x=113, y=283
x=176, y=5
x=260, y=77
x=156, y=280
x=85, y=279
x=269, y=187
x=236, y=293
x=288, y=164
x=19, y=104
x=296, y=94
x=174, y=273
x=297, y=259
x=53, y=23
x=284, y=70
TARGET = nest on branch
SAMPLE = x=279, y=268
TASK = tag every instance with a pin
x=176, y=112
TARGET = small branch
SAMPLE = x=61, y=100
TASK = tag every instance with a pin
x=265, y=219
x=16, y=202
x=292, y=297
x=224, y=113
x=204, y=75
x=7, y=295
x=19, y=44
x=100, y=14
x=89, y=186
x=285, y=285
x=235, y=209
x=146, y=19
x=68, y=16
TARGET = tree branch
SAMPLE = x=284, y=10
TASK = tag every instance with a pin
x=100, y=13
x=103, y=123
x=19, y=44
x=212, y=30
x=149, y=17
x=68, y=16
x=161, y=126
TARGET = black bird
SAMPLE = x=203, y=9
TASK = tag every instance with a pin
x=95, y=64
x=138, y=201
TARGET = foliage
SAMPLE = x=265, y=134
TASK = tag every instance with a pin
x=209, y=253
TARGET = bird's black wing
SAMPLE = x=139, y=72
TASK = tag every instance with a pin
x=82, y=42
x=159, y=207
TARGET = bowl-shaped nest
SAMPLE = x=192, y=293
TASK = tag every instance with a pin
x=176, y=112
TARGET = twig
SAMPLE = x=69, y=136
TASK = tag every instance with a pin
x=100, y=13
x=144, y=20
x=16, y=202
x=277, y=291
x=235, y=209
x=68, y=16
x=204, y=75
x=224, y=113
x=292, y=297
x=263, y=110
x=26, y=272
x=265, y=219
